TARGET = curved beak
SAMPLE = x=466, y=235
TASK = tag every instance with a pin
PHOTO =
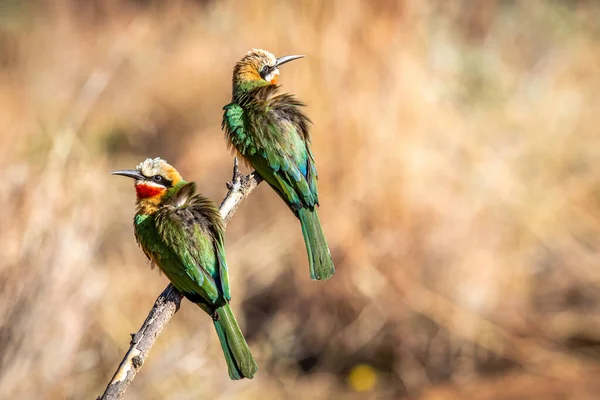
x=286, y=59
x=130, y=173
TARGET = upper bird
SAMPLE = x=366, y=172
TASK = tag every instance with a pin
x=271, y=132
x=183, y=233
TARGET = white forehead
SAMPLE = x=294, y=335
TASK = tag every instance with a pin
x=151, y=166
x=263, y=54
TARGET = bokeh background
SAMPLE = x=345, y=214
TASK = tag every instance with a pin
x=458, y=148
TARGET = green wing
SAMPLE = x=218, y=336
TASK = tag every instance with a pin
x=273, y=135
x=191, y=228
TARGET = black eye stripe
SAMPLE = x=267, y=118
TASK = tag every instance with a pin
x=266, y=70
x=161, y=180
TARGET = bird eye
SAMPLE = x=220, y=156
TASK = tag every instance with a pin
x=157, y=178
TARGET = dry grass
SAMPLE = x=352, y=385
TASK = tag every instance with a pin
x=457, y=148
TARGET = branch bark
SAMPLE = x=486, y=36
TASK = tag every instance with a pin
x=168, y=302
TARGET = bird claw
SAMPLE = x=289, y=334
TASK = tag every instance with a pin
x=237, y=177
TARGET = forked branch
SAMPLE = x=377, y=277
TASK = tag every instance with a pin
x=168, y=302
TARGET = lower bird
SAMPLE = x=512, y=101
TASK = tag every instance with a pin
x=183, y=233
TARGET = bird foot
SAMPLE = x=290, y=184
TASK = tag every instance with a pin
x=236, y=179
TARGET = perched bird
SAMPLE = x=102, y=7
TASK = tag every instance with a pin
x=182, y=232
x=272, y=134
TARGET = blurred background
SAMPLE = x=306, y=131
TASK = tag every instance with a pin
x=457, y=144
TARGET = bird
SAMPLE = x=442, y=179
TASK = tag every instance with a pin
x=183, y=234
x=272, y=134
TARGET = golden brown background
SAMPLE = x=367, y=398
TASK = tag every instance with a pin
x=458, y=148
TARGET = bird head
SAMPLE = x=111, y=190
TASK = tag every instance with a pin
x=154, y=178
x=259, y=67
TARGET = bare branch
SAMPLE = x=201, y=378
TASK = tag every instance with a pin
x=167, y=304
x=239, y=188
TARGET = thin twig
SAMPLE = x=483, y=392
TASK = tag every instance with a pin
x=167, y=304
x=239, y=188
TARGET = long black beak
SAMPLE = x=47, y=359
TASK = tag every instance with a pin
x=130, y=173
x=286, y=59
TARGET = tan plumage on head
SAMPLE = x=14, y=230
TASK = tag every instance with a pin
x=249, y=68
x=258, y=68
x=157, y=166
x=262, y=55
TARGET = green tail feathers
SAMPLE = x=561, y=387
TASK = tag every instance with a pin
x=240, y=362
x=319, y=258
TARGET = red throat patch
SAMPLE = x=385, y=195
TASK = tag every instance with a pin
x=145, y=191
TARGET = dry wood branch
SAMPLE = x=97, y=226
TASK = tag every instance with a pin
x=168, y=302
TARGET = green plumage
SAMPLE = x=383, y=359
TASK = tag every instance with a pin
x=184, y=237
x=272, y=134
